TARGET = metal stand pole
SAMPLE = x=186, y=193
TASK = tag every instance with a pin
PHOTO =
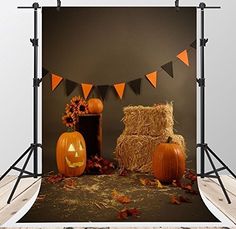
x=204, y=148
x=33, y=148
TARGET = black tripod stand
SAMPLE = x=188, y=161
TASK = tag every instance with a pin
x=33, y=148
x=205, y=149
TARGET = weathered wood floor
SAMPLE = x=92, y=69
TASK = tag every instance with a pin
x=28, y=187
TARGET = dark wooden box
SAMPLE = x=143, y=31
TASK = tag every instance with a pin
x=90, y=126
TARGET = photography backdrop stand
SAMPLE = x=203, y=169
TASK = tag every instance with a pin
x=33, y=148
x=204, y=148
x=32, y=151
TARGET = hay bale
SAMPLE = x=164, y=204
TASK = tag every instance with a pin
x=134, y=152
x=155, y=121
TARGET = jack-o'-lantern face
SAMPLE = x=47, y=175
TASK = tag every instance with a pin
x=71, y=154
x=73, y=157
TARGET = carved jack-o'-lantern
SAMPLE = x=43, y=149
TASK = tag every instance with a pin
x=71, y=154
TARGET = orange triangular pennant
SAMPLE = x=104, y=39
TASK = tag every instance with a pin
x=183, y=56
x=86, y=89
x=56, y=80
x=152, y=77
x=120, y=88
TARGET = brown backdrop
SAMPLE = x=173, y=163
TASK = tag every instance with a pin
x=109, y=45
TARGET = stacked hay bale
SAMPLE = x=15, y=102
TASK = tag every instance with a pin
x=145, y=128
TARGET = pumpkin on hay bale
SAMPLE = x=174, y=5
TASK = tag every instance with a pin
x=134, y=152
x=145, y=128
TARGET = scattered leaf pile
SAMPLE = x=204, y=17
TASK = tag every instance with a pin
x=128, y=212
x=148, y=182
x=70, y=184
x=123, y=172
x=125, y=213
x=54, y=178
x=99, y=166
x=179, y=199
x=121, y=198
x=187, y=183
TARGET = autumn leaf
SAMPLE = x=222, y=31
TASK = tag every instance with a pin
x=123, y=172
x=70, y=184
x=130, y=212
x=144, y=181
x=179, y=199
x=174, y=200
x=54, y=178
x=41, y=197
x=184, y=199
x=119, y=197
x=147, y=182
x=158, y=184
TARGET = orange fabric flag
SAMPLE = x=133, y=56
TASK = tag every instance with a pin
x=152, y=77
x=56, y=80
x=183, y=56
x=86, y=89
x=120, y=88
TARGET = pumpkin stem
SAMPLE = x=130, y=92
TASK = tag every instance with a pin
x=169, y=140
x=70, y=129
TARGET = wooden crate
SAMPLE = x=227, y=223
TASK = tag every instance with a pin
x=90, y=126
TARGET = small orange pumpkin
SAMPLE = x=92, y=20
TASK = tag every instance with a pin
x=168, y=162
x=95, y=106
x=71, y=154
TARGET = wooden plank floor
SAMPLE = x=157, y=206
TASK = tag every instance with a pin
x=25, y=191
x=212, y=191
x=28, y=187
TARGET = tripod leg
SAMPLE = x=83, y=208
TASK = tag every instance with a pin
x=217, y=176
x=15, y=163
x=226, y=167
x=20, y=176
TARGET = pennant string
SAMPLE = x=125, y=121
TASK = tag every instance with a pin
x=134, y=84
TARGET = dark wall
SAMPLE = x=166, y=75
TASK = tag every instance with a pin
x=111, y=45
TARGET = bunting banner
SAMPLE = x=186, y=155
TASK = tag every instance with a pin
x=183, y=56
x=103, y=89
x=152, y=77
x=44, y=72
x=56, y=80
x=194, y=44
x=70, y=86
x=168, y=68
x=120, y=87
x=86, y=89
x=135, y=85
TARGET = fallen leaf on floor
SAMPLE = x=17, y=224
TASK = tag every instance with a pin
x=184, y=199
x=179, y=199
x=54, y=178
x=123, y=199
x=123, y=172
x=144, y=181
x=174, y=200
x=148, y=182
x=98, y=165
x=70, y=184
x=159, y=185
x=41, y=197
x=189, y=189
x=128, y=212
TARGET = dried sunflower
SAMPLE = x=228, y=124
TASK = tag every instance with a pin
x=80, y=105
x=69, y=120
x=70, y=109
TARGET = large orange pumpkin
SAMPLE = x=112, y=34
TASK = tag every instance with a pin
x=168, y=162
x=71, y=154
x=95, y=106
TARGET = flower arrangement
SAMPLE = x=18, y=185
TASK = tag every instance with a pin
x=77, y=106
